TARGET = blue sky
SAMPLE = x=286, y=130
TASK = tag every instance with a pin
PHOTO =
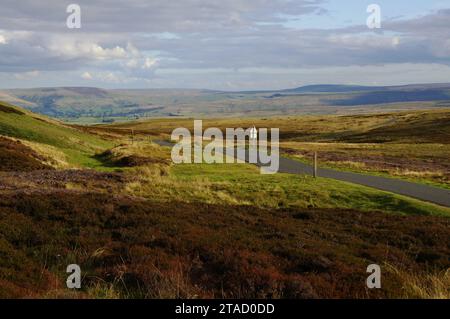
x=344, y=13
x=216, y=44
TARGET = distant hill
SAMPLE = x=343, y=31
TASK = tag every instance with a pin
x=85, y=104
x=330, y=89
x=394, y=96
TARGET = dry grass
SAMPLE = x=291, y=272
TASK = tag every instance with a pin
x=156, y=182
x=53, y=157
x=422, y=285
x=138, y=153
x=411, y=126
x=103, y=290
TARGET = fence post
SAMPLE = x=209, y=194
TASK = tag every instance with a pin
x=315, y=165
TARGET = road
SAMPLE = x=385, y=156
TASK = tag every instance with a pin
x=423, y=192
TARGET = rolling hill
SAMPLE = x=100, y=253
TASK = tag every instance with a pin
x=82, y=104
x=66, y=145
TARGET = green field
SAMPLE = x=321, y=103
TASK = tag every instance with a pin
x=79, y=148
x=243, y=184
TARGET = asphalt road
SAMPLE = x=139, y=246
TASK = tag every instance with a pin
x=423, y=192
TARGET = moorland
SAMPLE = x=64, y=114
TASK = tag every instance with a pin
x=107, y=197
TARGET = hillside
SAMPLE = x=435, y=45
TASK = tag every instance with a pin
x=64, y=144
x=87, y=105
x=140, y=227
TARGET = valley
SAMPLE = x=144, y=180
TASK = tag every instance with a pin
x=85, y=105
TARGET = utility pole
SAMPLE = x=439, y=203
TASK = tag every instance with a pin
x=315, y=165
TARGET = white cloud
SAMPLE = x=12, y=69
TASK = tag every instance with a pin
x=71, y=48
x=86, y=76
x=110, y=77
x=149, y=63
x=132, y=50
x=132, y=63
x=187, y=42
x=106, y=77
x=364, y=40
x=144, y=63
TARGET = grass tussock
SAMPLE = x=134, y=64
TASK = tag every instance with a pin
x=430, y=285
x=52, y=156
x=135, y=154
x=158, y=182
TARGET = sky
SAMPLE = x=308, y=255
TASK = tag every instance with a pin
x=223, y=44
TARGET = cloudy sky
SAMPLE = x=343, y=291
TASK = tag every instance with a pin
x=223, y=44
